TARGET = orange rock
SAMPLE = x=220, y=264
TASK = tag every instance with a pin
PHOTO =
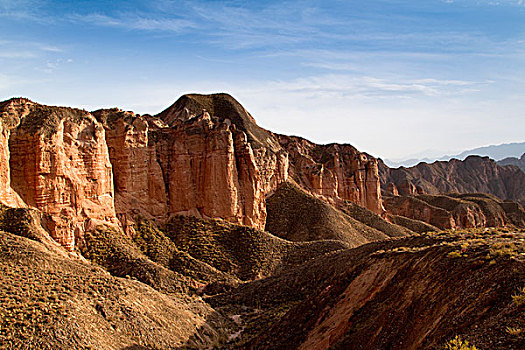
x=203, y=156
x=59, y=164
x=139, y=183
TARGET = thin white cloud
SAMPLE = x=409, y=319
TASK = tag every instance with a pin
x=132, y=21
x=369, y=87
x=17, y=54
x=10, y=49
x=51, y=48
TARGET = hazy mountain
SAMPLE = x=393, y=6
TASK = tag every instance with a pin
x=496, y=152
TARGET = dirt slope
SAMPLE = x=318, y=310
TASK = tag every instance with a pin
x=409, y=293
x=298, y=216
x=53, y=302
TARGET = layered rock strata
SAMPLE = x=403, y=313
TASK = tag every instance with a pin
x=333, y=172
x=59, y=164
x=203, y=156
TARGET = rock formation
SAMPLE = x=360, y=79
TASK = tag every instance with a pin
x=204, y=156
x=520, y=163
x=473, y=175
x=59, y=164
x=333, y=172
x=457, y=211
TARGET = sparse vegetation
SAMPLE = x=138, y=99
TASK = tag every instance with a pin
x=502, y=249
x=519, y=298
x=459, y=344
x=513, y=331
x=45, y=119
x=454, y=254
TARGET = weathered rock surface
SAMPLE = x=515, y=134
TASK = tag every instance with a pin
x=138, y=178
x=457, y=211
x=520, y=163
x=473, y=175
x=204, y=156
x=58, y=163
x=333, y=172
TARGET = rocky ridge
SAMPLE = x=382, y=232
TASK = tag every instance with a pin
x=133, y=196
x=203, y=156
x=519, y=162
x=457, y=211
x=475, y=174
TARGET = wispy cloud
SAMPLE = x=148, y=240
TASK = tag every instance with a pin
x=17, y=54
x=282, y=24
x=135, y=21
x=11, y=49
x=350, y=86
x=52, y=66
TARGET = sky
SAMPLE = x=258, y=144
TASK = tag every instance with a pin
x=393, y=78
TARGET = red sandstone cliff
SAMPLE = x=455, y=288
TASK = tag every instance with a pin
x=203, y=156
x=333, y=172
x=59, y=164
x=473, y=175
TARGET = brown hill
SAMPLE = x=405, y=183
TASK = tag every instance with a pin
x=315, y=294
x=473, y=175
x=242, y=251
x=50, y=301
x=296, y=215
x=410, y=293
x=137, y=291
x=402, y=293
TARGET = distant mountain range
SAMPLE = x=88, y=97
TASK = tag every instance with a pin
x=496, y=152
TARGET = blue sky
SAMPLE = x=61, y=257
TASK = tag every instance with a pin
x=393, y=78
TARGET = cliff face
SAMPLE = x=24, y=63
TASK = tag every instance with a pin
x=333, y=172
x=473, y=175
x=9, y=118
x=210, y=171
x=59, y=163
x=138, y=179
x=204, y=156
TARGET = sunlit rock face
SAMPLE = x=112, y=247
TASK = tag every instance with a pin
x=59, y=163
x=475, y=174
x=333, y=172
x=203, y=156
